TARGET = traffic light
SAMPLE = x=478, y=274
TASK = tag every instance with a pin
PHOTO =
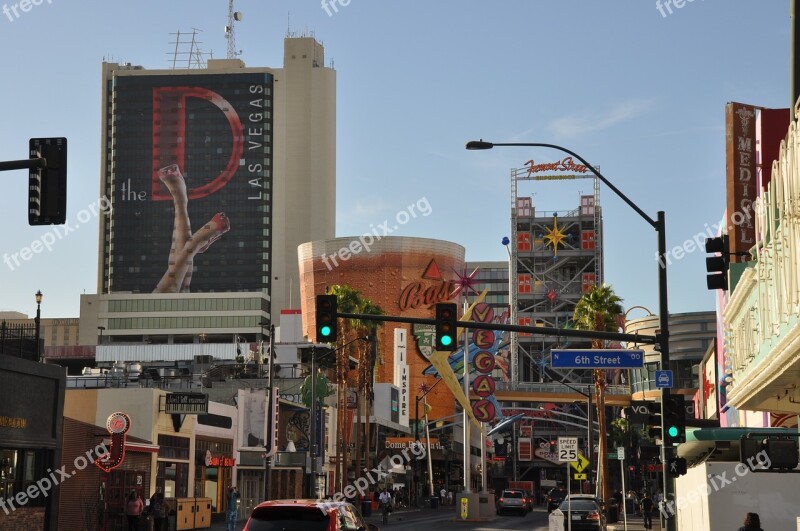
x=771, y=453
x=47, y=186
x=654, y=420
x=717, y=266
x=446, y=326
x=648, y=453
x=782, y=453
x=326, y=319
x=674, y=413
x=676, y=466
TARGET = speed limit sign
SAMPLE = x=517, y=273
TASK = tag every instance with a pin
x=567, y=449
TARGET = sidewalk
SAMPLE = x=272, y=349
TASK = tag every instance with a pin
x=218, y=522
x=635, y=523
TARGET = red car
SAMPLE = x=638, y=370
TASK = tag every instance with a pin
x=306, y=515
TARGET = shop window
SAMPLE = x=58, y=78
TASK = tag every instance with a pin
x=8, y=473
x=173, y=479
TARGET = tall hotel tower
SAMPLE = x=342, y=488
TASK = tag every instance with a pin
x=215, y=176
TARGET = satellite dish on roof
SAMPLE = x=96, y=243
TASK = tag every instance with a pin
x=237, y=16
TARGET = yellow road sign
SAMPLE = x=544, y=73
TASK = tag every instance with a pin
x=579, y=477
x=581, y=464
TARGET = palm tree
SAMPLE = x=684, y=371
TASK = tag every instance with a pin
x=598, y=310
x=350, y=300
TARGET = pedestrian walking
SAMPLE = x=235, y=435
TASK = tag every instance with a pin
x=233, y=507
x=647, y=506
x=752, y=522
x=386, y=505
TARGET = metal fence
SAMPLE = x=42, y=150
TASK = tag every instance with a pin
x=18, y=340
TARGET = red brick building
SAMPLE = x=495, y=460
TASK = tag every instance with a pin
x=404, y=276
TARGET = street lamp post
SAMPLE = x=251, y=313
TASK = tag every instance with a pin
x=38, y=322
x=101, y=329
x=659, y=224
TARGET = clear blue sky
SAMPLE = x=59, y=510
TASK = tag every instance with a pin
x=635, y=91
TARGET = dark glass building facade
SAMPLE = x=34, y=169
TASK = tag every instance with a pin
x=189, y=176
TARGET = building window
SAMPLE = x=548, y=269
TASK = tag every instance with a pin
x=172, y=447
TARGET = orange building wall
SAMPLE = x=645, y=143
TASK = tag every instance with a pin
x=381, y=274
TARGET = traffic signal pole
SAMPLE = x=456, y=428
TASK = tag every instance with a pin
x=663, y=344
x=659, y=225
x=560, y=332
x=25, y=164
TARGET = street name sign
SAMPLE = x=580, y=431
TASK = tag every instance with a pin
x=597, y=359
x=567, y=449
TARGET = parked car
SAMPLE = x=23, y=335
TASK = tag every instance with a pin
x=584, y=513
x=512, y=500
x=308, y=515
x=555, y=497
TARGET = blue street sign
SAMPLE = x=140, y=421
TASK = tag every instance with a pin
x=664, y=379
x=597, y=359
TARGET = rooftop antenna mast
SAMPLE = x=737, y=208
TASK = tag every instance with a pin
x=230, y=34
x=181, y=58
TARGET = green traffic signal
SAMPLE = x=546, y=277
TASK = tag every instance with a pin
x=674, y=412
x=446, y=326
x=326, y=318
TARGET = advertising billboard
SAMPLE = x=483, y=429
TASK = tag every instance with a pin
x=190, y=159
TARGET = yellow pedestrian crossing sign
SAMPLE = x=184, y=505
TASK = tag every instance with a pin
x=581, y=464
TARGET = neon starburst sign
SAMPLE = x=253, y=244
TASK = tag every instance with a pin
x=554, y=236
